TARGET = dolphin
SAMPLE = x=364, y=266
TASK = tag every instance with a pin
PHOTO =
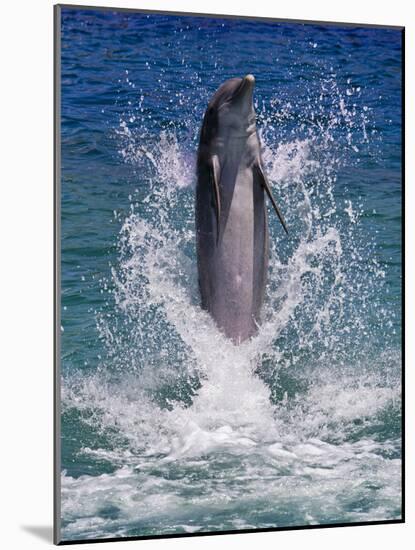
x=232, y=242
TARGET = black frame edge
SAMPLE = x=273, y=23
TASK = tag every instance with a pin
x=234, y=532
x=229, y=16
x=56, y=276
x=403, y=364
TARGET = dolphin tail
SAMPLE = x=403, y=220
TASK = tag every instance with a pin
x=215, y=177
x=263, y=180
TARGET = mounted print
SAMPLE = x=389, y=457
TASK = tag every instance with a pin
x=228, y=274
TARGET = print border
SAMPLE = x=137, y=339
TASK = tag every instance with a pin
x=57, y=278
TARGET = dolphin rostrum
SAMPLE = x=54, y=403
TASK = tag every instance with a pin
x=231, y=217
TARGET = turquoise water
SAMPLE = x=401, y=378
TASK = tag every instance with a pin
x=166, y=426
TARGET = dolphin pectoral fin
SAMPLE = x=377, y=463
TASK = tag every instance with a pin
x=264, y=182
x=215, y=178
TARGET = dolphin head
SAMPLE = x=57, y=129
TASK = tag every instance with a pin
x=230, y=112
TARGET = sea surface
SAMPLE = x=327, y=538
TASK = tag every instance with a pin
x=167, y=427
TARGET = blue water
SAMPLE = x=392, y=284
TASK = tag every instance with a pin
x=166, y=426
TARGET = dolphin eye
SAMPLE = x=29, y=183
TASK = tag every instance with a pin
x=210, y=114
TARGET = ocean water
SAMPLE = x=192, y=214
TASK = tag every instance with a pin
x=167, y=427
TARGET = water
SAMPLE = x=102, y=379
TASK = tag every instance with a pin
x=166, y=426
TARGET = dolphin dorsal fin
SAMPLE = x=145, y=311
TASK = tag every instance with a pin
x=263, y=180
x=215, y=178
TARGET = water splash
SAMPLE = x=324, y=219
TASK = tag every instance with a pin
x=297, y=410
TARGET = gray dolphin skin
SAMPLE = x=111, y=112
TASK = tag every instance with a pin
x=231, y=218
